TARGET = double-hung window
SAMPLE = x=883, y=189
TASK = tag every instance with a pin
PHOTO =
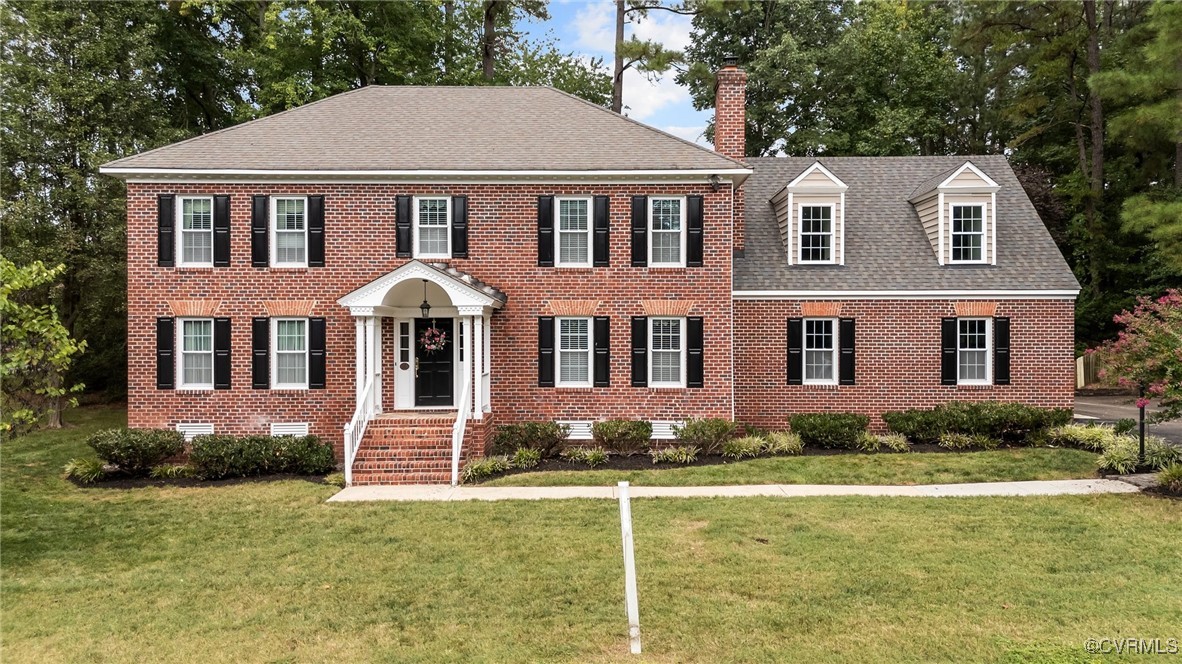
x=816, y=233
x=972, y=351
x=290, y=353
x=196, y=236
x=666, y=352
x=196, y=356
x=289, y=231
x=574, y=232
x=820, y=351
x=574, y=352
x=968, y=233
x=666, y=232
x=432, y=227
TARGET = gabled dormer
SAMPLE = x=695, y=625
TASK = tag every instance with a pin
x=958, y=209
x=811, y=214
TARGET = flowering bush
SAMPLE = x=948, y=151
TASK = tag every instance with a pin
x=433, y=339
x=1148, y=352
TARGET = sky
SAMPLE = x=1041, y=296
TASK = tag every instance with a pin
x=588, y=27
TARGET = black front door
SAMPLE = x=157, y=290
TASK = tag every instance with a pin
x=433, y=369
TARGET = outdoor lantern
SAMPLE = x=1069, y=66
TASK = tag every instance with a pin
x=425, y=307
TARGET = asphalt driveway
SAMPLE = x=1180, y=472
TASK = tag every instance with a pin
x=1111, y=409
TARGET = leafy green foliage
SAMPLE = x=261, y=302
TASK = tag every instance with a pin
x=335, y=479
x=1003, y=421
x=218, y=456
x=135, y=451
x=1124, y=425
x=1122, y=456
x=782, y=443
x=833, y=430
x=547, y=438
x=950, y=440
x=1170, y=478
x=682, y=454
x=892, y=442
x=747, y=447
x=172, y=472
x=625, y=437
x=592, y=456
x=526, y=458
x=479, y=469
x=708, y=434
x=1090, y=437
x=1146, y=353
x=84, y=471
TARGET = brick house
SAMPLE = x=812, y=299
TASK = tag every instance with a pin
x=400, y=269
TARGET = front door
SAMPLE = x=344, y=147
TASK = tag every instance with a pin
x=433, y=368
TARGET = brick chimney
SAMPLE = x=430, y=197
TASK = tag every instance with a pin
x=730, y=130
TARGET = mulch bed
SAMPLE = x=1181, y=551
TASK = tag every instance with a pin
x=116, y=481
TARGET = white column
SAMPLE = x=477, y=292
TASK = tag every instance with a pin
x=486, y=383
x=466, y=365
x=369, y=347
x=360, y=364
x=478, y=372
x=377, y=365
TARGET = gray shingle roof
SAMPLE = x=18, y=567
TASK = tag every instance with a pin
x=404, y=128
x=886, y=248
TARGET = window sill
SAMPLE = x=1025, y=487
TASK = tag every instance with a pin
x=290, y=390
x=194, y=268
x=666, y=388
x=575, y=268
x=823, y=387
x=287, y=268
x=574, y=388
x=974, y=387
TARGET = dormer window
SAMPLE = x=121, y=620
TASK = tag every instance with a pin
x=968, y=233
x=958, y=210
x=816, y=233
x=811, y=212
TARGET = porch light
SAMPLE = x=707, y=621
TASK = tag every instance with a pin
x=425, y=307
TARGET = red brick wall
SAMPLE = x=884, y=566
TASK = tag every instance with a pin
x=897, y=359
x=360, y=245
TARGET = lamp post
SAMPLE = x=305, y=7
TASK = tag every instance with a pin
x=1141, y=403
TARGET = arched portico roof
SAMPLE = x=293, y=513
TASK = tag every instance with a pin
x=465, y=290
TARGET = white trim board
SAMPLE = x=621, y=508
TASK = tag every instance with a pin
x=697, y=175
x=906, y=295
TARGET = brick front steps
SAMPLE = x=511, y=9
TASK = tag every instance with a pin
x=406, y=449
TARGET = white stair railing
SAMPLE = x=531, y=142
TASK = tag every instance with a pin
x=355, y=429
x=457, y=429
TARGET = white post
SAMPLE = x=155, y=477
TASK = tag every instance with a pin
x=486, y=385
x=360, y=325
x=478, y=371
x=377, y=365
x=630, y=600
x=369, y=350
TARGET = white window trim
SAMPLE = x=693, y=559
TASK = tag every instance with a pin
x=180, y=231
x=988, y=380
x=835, y=352
x=272, y=231
x=414, y=240
x=682, y=328
x=558, y=353
x=558, y=262
x=800, y=233
x=985, y=226
x=683, y=232
x=180, y=355
x=275, y=384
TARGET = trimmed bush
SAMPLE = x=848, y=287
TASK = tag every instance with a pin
x=1084, y=436
x=892, y=442
x=782, y=443
x=1170, y=478
x=548, y=438
x=525, y=458
x=1003, y=421
x=592, y=456
x=134, y=451
x=708, y=433
x=480, y=469
x=743, y=448
x=626, y=437
x=171, y=471
x=218, y=456
x=680, y=454
x=84, y=471
x=832, y=430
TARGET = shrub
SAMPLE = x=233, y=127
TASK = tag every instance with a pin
x=963, y=441
x=1124, y=425
x=134, y=451
x=84, y=471
x=526, y=457
x=782, y=443
x=680, y=454
x=335, y=479
x=892, y=442
x=1012, y=422
x=303, y=455
x=545, y=437
x=171, y=471
x=1170, y=478
x=218, y=456
x=625, y=437
x=480, y=469
x=833, y=430
x=708, y=433
x=1121, y=457
x=743, y=448
x=1084, y=436
x=592, y=456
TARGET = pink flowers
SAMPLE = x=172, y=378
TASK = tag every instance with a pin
x=1147, y=352
x=433, y=340
x=1142, y=402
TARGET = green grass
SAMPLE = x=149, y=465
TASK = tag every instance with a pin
x=1008, y=465
x=268, y=572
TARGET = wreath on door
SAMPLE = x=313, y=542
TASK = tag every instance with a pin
x=433, y=340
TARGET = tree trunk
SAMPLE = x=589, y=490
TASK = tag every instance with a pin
x=53, y=414
x=489, y=38
x=618, y=70
x=1096, y=122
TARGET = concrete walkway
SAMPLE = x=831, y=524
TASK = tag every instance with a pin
x=437, y=493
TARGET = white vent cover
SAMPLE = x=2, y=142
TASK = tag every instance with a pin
x=189, y=429
x=663, y=429
x=579, y=429
x=289, y=428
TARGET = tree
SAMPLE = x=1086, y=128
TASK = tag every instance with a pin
x=645, y=56
x=37, y=349
x=1147, y=353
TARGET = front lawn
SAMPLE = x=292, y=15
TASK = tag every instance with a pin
x=1008, y=465
x=267, y=571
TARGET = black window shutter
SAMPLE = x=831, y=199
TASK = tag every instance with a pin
x=948, y=351
x=639, y=351
x=317, y=365
x=259, y=253
x=639, y=231
x=845, y=364
x=316, y=231
x=694, y=367
x=221, y=353
x=693, y=241
x=603, y=351
x=795, y=351
x=459, y=226
x=1001, y=351
x=602, y=255
x=402, y=221
x=166, y=230
x=260, y=353
x=545, y=351
x=221, y=231
x=545, y=231
x=165, y=355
